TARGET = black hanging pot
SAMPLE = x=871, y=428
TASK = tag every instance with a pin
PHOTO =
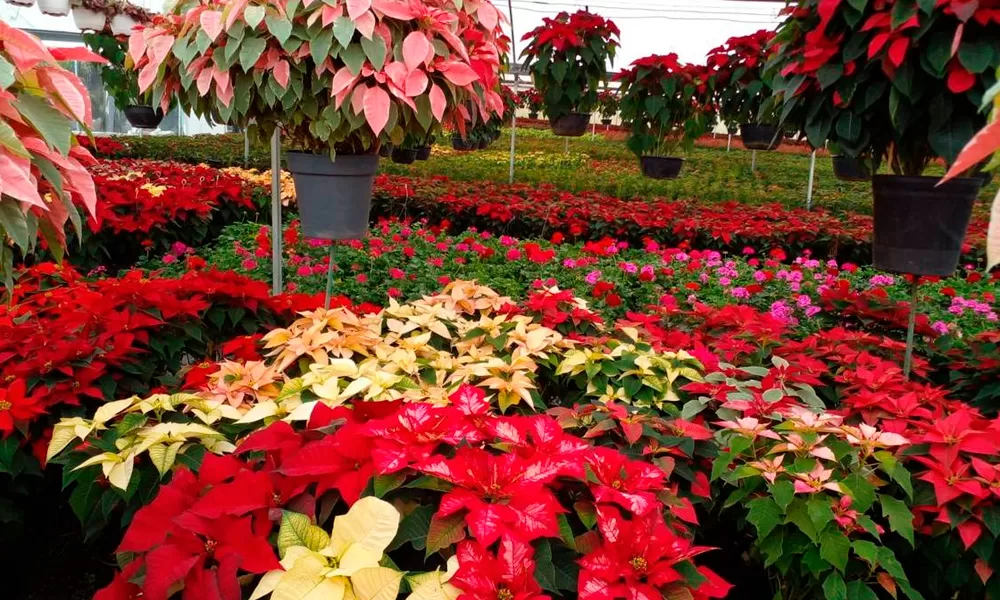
x=484, y=143
x=920, y=228
x=661, y=167
x=533, y=115
x=571, y=125
x=386, y=150
x=986, y=176
x=334, y=196
x=404, y=156
x=423, y=152
x=760, y=137
x=846, y=168
x=462, y=145
x=606, y=122
x=144, y=117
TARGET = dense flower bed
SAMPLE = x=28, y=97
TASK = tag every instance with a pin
x=146, y=206
x=68, y=343
x=825, y=457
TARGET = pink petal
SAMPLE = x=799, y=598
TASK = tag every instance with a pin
x=416, y=46
x=438, y=102
x=458, y=73
x=365, y=24
x=16, y=181
x=376, y=105
x=488, y=16
x=281, y=72
x=394, y=9
x=342, y=80
x=211, y=23
x=355, y=8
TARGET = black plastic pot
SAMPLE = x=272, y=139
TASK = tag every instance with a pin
x=423, y=152
x=920, y=228
x=386, y=150
x=334, y=197
x=606, y=122
x=144, y=117
x=404, y=156
x=661, y=167
x=846, y=168
x=986, y=176
x=571, y=125
x=463, y=145
x=532, y=115
x=760, y=137
x=484, y=143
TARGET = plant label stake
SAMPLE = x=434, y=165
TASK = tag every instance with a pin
x=276, y=286
x=812, y=175
x=908, y=357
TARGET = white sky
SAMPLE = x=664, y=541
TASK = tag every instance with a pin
x=688, y=27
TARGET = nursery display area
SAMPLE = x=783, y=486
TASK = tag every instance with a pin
x=602, y=354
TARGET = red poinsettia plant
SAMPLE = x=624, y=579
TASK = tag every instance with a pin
x=502, y=507
x=532, y=100
x=666, y=103
x=894, y=80
x=741, y=87
x=336, y=77
x=42, y=166
x=569, y=57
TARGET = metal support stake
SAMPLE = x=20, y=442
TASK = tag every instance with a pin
x=276, y=230
x=812, y=177
x=329, y=279
x=246, y=149
x=566, y=149
x=753, y=161
x=517, y=81
x=908, y=358
x=729, y=144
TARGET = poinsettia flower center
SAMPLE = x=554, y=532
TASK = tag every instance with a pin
x=210, y=545
x=276, y=498
x=504, y=594
x=494, y=492
x=639, y=564
x=4, y=405
x=617, y=484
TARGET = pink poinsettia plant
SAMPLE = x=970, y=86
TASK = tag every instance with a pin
x=335, y=76
x=42, y=165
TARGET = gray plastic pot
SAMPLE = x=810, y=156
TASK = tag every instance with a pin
x=334, y=197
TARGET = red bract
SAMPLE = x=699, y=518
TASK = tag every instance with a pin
x=501, y=494
x=506, y=575
x=636, y=560
x=16, y=408
x=627, y=483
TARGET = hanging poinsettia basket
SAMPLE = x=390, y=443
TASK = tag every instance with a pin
x=666, y=105
x=338, y=81
x=897, y=83
x=568, y=57
x=742, y=89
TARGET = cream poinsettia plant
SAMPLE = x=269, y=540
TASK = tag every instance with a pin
x=422, y=351
x=347, y=563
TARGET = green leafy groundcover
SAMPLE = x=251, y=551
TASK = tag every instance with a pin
x=408, y=260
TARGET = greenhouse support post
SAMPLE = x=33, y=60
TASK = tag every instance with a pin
x=276, y=285
x=517, y=80
x=812, y=178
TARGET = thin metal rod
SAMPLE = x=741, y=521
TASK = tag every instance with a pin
x=246, y=149
x=566, y=150
x=753, y=161
x=329, y=280
x=517, y=81
x=812, y=178
x=276, y=229
x=729, y=144
x=908, y=358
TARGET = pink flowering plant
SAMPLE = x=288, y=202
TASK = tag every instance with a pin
x=335, y=76
x=828, y=501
